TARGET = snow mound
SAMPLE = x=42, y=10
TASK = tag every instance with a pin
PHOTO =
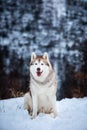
x=72, y=116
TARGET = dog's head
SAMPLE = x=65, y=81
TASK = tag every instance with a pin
x=40, y=66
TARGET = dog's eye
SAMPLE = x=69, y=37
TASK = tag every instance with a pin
x=42, y=64
x=35, y=63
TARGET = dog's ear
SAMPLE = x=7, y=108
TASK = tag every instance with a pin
x=33, y=56
x=45, y=56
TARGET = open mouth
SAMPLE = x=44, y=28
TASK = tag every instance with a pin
x=39, y=73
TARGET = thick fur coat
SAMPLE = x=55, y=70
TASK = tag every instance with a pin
x=43, y=87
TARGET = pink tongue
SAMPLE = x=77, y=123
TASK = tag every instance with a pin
x=38, y=73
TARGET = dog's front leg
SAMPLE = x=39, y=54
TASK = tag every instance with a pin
x=53, y=103
x=35, y=106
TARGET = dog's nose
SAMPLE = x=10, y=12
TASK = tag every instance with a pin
x=38, y=69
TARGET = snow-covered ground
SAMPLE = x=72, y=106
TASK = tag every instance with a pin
x=72, y=116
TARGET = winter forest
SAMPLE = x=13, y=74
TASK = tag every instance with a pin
x=58, y=27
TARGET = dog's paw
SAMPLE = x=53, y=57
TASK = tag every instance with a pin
x=33, y=116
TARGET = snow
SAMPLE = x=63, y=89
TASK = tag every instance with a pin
x=72, y=116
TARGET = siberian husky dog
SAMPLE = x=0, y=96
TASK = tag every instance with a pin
x=43, y=85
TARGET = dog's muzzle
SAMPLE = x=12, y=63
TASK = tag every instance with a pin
x=39, y=72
